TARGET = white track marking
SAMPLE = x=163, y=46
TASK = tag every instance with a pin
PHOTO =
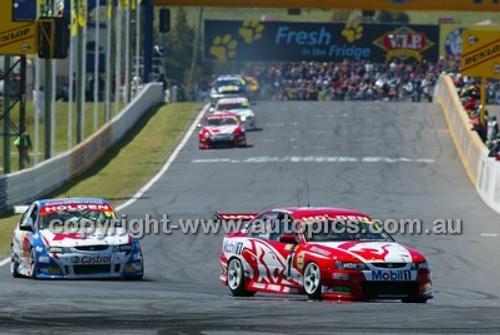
x=169, y=162
x=489, y=235
x=20, y=209
x=316, y=159
x=160, y=173
x=5, y=261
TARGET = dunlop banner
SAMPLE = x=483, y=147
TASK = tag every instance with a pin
x=481, y=54
x=295, y=42
x=451, y=39
x=17, y=37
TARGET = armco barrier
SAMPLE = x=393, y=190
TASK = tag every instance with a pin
x=483, y=171
x=24, y=186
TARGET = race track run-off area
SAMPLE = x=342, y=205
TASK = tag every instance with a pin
x=389, y=160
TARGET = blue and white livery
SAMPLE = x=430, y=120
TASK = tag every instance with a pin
x=74, y=238
x=239, y=106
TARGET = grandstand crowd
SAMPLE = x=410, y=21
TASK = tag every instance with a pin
x=348, y=80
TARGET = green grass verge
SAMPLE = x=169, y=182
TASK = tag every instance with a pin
x=128, y=166
x=61, y=127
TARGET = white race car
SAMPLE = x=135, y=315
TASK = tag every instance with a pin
x=227, y=86
x=239, y=106
x=98, y=245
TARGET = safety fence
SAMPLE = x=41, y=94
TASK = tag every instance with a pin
x=24, y=186
x=483, y=171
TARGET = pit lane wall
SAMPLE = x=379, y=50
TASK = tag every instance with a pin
x=25, y=186
x=483, y=171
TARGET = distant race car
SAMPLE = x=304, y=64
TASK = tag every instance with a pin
x=332, y=262
x=221, y=130
x=228, y=86
x=44, y=247
x=239, y=106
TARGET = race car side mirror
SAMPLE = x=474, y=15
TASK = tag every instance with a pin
x=288, y=238
x=211, y=109
x=198, y=125
x=27, y=224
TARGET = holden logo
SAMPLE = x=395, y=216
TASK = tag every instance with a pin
x=25, y=47
x=472, y=39
x=404, y=43
x=496, y=68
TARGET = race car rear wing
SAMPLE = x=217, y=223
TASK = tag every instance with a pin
x=244, y=217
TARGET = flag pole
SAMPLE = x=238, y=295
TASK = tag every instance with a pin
x=96, y=64
x=137, y=78
x=119, y=18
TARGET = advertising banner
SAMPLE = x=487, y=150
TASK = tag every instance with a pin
x=481, y=54
x=17, y=35
x=451, y=39
x=319, y=42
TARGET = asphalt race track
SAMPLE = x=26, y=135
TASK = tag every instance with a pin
x=390, y=160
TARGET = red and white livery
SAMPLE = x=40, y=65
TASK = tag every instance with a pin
x=221, y=130
x=324, y=253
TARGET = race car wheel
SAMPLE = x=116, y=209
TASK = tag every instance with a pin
x=236, y=279
x=139, y=276
x=33, y=267
x=312, y=281
x=14, y=265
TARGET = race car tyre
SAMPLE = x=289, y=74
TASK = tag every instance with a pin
x=140, y=276
x=236, y=279
x=14, y=265
x=33, y=267
x=312, y=281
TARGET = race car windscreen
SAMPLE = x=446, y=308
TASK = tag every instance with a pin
x=80, y=218
x=228, y=82
x=237, y=105
x=338, y=231
x=223, y=121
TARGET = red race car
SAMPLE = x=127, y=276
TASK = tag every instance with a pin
x=221, y=130
x=323, y=252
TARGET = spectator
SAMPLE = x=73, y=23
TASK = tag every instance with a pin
x=479, y=128
x=492, y=128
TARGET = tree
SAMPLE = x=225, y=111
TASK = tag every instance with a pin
x=179, y=49
x=400, y=17
x=340, y=15
x=392, y=17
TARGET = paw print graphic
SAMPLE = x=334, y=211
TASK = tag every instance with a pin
x=224, y=47
x=251, y=31
x=353, y=31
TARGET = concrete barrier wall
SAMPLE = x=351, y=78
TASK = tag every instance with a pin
x=489, y=181
x=484, y=172
x=25, y=186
